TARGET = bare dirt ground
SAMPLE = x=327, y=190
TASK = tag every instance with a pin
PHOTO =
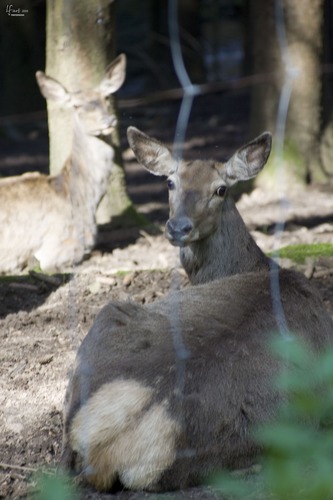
x=43, y=319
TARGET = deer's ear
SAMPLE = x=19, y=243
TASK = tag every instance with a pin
x=114, y=77
x=150, y=153
x=52, y=89
x=249, y=160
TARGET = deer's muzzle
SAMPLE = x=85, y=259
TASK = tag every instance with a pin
x=178, y=230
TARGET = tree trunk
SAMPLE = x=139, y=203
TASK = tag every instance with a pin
x=326, y=144
x=80, y=45
x=304, y=39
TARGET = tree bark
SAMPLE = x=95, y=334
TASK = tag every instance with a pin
x=80, y=45
x=326, y=143
x=304, y=41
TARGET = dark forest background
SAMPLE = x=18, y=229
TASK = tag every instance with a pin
x=226, y=45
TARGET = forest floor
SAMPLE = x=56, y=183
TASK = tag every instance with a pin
x=44, y=318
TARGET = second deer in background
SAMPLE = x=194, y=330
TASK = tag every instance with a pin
x=52, y=218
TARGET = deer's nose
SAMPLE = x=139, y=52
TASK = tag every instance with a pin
x=178, y=229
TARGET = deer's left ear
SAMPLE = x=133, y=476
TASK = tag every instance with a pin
x=249, y=160
x=150, y=153
x=114, y=77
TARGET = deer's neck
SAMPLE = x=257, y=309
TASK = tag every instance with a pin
x=229, y=250
x=88, y=167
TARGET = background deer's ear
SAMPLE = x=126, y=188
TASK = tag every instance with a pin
x=151, y=153
x=114, y=76
x=52, y=89
x=247, y=162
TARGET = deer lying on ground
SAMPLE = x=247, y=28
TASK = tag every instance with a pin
x=166, y=393
x=52, y=218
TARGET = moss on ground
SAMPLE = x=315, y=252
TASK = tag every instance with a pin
x=298, y=253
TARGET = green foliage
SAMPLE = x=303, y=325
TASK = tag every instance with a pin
x=298, y=447
x=55, y=487
x=298, y=253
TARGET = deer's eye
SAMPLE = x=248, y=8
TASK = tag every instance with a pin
x=171, y=184
x=221, y=191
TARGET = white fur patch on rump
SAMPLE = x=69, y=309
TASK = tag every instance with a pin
x=118, y=434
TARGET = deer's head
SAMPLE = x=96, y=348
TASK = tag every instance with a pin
x=91, y=106
x=197, y=189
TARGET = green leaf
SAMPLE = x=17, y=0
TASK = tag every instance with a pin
x=55, y=487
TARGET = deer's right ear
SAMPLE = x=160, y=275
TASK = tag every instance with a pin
x=247, y=162
x=150, y=153
x=51, y=88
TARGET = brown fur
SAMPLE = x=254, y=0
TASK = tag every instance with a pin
x=164, y=394
x=207, y=227
x=52, y=218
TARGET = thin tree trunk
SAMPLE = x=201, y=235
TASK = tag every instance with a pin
x=326, y=143
x=304, y=40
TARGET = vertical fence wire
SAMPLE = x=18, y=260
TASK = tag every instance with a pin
x=181, y=352
x=190, y=90
x=280, y=130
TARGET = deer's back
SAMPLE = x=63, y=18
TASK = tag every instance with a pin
x=223, y=320
x=36, y=219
